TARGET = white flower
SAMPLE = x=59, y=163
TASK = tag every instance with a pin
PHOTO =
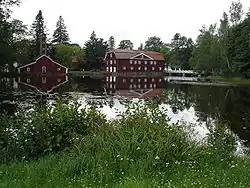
x=157, y=158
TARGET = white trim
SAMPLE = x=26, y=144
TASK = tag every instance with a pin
x=19, y=81
x=39, y=59
x=140, y=55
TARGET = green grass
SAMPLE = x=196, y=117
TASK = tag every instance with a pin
x=138, y=150
x=230, y=80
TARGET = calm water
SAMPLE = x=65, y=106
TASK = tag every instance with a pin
x=199, y=105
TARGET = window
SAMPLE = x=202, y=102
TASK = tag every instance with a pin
x=154, y=62
x=107, y=79
x=28, y=80
x=107, y=69
x=111, y=69
x=139, y=86
x=58, y=80
x=110, y=55
x=153, y=68
x=135, y=62
x=153, y=80
x=134, y=86
x=151, y=62
x=160, y=80
x=114, y=69
x=145, y=68
x=111, y=62
x=131, y=62
x=28, y=69
x=151, y=86
x=110, y=78
x=124, y=80
x=44, y=69
x=123, y=68
x=139, y=62
x=114, y=79
x=132, y=68
x=145, y=86
x=44, y=80
x=145, y=79
x=130, y=86
x=139, y=68
x=59, y=69
x=131, y=80
x=139, y=80
x=154, y=85
x=115, y=62
x=145, y=62
x=160, y=68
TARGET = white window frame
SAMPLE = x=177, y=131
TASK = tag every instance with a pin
x=28, y=69
x=111, y=62
x=145, y=62
x=153, y=68
x=44, y=80
x=135, y=62
x=139, y=62
x=44, y=69
x=131, y=62
x=151, y=63
x=154, y=62
x=145, y=79
x=145, y=68
x=139, y=68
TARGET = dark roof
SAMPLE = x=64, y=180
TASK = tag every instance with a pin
x=127, y=54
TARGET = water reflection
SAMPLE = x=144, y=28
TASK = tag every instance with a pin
x=202, y=105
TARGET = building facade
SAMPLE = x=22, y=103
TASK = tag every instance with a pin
x=134, y=61
x=43, y=65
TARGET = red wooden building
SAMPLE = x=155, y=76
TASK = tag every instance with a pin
x=43, y=65
x=134, y=61
x=43, y=83
x=139, y=87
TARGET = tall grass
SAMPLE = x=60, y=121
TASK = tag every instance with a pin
x=140, y=149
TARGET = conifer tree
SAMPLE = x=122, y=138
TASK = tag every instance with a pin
x=60, y=35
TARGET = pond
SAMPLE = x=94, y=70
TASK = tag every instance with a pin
x=200, y=105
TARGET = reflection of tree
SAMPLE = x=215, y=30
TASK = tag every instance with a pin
x=224, y=104
x=178, y=97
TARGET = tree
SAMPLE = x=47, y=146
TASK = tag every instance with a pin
x=19, y=30
x=126, y=44
x=60, y=35
x=6, y=34
x=236, y=12
x=70, y=55
x=95, y=50
x=141, y=47
x=38, y=28
x=111, y=43
x=181, y=51
x=153, y=44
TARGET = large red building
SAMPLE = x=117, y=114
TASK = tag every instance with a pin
x=134, y=61
x=43, y=65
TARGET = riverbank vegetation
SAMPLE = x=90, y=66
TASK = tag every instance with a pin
x=67, y=147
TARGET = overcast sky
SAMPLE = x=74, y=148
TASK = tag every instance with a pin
x=128, y=19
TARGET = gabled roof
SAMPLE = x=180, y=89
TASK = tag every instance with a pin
x=128, y=54
x=43, y=56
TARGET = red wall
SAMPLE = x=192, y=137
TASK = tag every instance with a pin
x=120, y=63
x=51, y=67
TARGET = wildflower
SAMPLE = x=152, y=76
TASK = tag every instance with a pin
x=157, y=158
x=118, y=156
x=138, y=148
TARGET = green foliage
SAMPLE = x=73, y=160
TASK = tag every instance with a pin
x=72, y=56
x=138, y=149
x=153, y=44
x=236, y=12
x=38, y=28
x=60, y=34
x=126, y=44
x=180, y=53
x=36, y=133
x=95, y=50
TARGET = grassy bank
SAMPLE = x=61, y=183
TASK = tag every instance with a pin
x=65, y=147
x=229, y=80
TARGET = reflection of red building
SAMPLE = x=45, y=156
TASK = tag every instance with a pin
x=140, y=87
x=43, y=65
x=43, y=83
x=134, y=61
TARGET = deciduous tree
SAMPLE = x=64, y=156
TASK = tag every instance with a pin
x=126, y=44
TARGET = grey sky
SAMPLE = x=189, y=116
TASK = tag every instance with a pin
x=128, y=19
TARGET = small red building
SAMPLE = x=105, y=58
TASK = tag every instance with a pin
x=43, y=83
x=134, y=61
x=43, y=65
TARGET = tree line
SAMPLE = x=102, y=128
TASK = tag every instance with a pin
x=221, y=49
